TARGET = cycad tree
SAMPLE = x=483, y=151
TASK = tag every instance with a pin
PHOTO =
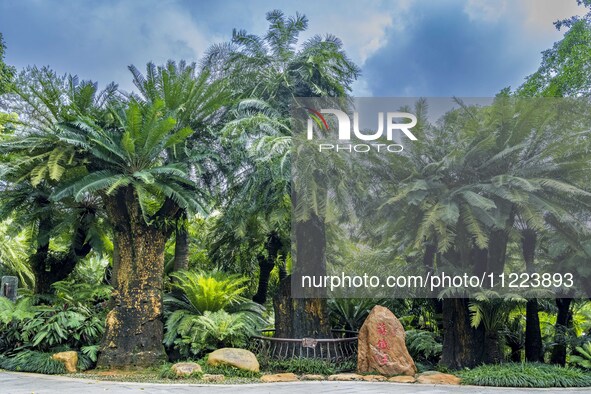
x=196, y=101
x=35, y=161
x=142, y=185
x=273, y=68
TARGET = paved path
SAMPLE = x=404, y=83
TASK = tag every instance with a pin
x=21, y=383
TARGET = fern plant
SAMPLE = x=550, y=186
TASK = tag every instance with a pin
x=582, y=360
x=423, y=346
x=209, y=311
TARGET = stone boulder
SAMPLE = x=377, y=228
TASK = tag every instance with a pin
x=239, y=358
x=186, y=369
x=382, y=346
x=69, y=359
x=279, y=377
x=312, y=377
x=434, y=377
x=402, y=379
x=213, y=378
x=345, y=377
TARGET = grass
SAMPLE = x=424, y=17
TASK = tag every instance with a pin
x=32, y=361
x=307, y=366
x=525, y=375
x=153, y=376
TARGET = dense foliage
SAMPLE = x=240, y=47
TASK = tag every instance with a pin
x=157, y=224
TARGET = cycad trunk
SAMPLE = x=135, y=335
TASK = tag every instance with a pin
x=181, y=249
x=134, y=328
x=563, y=323
x=463, y=346
x=49, y=268
x=534, y=349
x=266, y=265
x=305, y=317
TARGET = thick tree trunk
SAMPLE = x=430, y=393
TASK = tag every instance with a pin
x=563, y=321
x=181, y=249
x=493, y=351
x=462, y=344
x=300, y=317
x=266, y=265
x=306, y=315
x=134, y=329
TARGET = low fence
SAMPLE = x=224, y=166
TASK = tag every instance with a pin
x=340, y=349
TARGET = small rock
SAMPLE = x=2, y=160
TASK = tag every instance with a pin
x=279, y=377
x=69, y=359
x=345, y=377
x=374, y=378
x=213, y=378
x=312, y=377
x=186, y=369
x=434, y=377
x=239, y=358
x=402, y=379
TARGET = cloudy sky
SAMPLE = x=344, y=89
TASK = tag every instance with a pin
x=404, y=47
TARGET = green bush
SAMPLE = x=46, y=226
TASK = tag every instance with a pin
x=583, y=359
x=32, y=361
x=423, y=346
x=72, y=319
x=208, y=312
x=525, y=375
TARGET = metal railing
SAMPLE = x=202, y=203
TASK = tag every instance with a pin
x=341, y=348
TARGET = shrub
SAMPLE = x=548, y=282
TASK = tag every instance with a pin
x=423, y=346
x=525, y=375
x=73, y=320
x=209, y=311
x=583, y=359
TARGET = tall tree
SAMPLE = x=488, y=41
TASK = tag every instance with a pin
x=140, y=192
x=272, y=68
x=136, y=167
x=35, y=161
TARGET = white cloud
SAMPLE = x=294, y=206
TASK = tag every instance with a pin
x=539, y=15
x=485, y=10
x=135, y=33
x=362, y=26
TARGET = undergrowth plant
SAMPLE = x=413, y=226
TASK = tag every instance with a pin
x=525, y=375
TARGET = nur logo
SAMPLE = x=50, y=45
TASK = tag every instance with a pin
x=344, y=124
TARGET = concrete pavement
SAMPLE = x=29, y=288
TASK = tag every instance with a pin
x=21, y=383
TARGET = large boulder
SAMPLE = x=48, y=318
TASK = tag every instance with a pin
x=239, y=358
x=186, y=369
x=69, y=359
x=382, y=346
